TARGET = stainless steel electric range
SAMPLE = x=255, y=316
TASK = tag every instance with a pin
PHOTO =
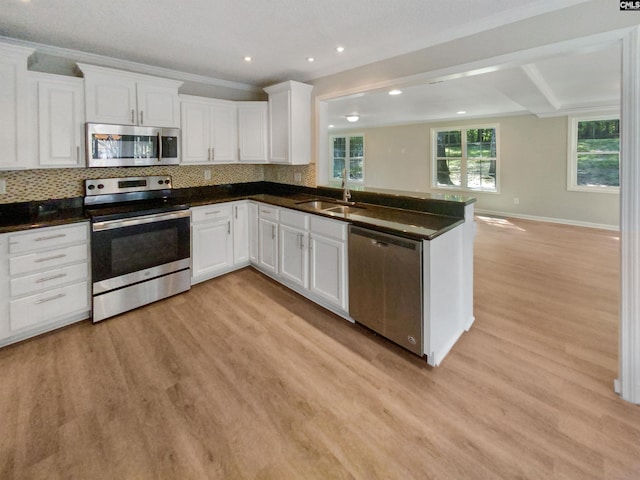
x=140, y=243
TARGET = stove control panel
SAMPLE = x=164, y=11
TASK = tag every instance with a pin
x=108, y=186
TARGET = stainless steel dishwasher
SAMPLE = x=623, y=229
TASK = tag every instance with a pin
x=385, y=286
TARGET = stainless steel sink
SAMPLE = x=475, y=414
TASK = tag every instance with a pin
x=317, y=204
x=344, y=209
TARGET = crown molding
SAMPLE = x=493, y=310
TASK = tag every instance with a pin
x=104, y=61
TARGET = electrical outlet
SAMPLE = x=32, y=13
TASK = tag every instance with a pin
x=297, y=177
x=207, y=174
x=516, y=201
x=3, y=186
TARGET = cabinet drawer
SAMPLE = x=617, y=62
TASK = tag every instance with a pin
x=329, y=228
x=47, y=238
x=49, y=279
x=49, y=305
x=210, y=212
x=268, y=212
x=294, y=219
x=45, y=260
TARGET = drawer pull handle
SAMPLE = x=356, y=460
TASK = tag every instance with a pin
x=55, y=257
x=52, y=277
x=212, y=213
x=49, y=299
x=265, y=211
x=50, y=237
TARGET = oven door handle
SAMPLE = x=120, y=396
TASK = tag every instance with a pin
x=129, y=222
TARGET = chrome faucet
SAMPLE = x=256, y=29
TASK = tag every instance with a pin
x=346, y=194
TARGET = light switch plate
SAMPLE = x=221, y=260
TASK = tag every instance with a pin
x=3, y=186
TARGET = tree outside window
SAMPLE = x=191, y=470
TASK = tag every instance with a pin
x=466, y=158
x=594, y=154
x=347, y=153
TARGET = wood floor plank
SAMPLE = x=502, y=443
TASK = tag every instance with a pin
x=240, y=378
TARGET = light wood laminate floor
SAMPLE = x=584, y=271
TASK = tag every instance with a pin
x=242, y=379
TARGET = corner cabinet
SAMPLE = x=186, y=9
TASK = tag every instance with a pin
x=290, y=123
x=253, y=119
x=123, y=98
x=13, y=106
x=56, y=121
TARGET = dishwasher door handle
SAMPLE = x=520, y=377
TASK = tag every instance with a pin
x=378, y=243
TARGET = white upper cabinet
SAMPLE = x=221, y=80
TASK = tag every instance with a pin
x=56, y=125
x=123, y=98
x=253, y=121
x=290, y=123
x=209, y=130
x=13, y=106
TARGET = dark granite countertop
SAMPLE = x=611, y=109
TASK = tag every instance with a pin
x=409, y=216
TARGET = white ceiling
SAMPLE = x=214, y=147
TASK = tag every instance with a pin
x=587, y=80
x=211, y=37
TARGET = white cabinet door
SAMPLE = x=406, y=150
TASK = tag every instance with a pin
x=253, y=232
x=212, y=248
x=60, y=111
x=327, y=276
x=224, y=133
x=253, y=132
x=240, y=233
x=13, y=106
x=158, y=106
x=294, y=257
x=110, y=99
x=279, y=126
x=290, y=123
x=196, y=132
x=268, y=245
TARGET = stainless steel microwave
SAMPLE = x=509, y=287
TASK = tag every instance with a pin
x=131, y=146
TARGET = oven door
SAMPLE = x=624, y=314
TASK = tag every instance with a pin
x=130, y=250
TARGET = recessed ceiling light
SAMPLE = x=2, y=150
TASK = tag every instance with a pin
x=461, y=112
x=310, y=59
x=395, y=91
x=353, y=117
x=331, y=126
x=339, y=49
x=247, y=58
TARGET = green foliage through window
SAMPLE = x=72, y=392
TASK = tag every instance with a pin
x=466, y=158
x=597, y=153
x=347, y=153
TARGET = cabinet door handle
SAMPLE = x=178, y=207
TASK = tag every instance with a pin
x=209, y=154
x=133, y=116
x=50, y=237
x=55, y=257
x=52, y=277
x=229, y=227
x=273, y=232
x=213, y=154
x=239, y=156
x=301, y=240
x=212, y=213
x=141, y=117
x=236, y=207
x=78, y=153
x=55, y=297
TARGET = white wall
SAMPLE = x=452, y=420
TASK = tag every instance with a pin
x=533, y=168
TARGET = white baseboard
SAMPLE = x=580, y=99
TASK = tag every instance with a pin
x=577, y=223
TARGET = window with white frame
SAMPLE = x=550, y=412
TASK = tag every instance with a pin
x=465, y=158
x=347, y=155
x=594, y=154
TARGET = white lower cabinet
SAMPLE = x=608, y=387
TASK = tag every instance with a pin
x=253, y=232
x=294, y=252
x=240, y=224
x=211, y=241
x=306, y=252
x=328, y=261
x=268, y=238
x=45, y=280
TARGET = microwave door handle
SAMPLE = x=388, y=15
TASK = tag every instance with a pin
x=160, y=146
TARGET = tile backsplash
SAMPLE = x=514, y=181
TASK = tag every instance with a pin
x=43, y=184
